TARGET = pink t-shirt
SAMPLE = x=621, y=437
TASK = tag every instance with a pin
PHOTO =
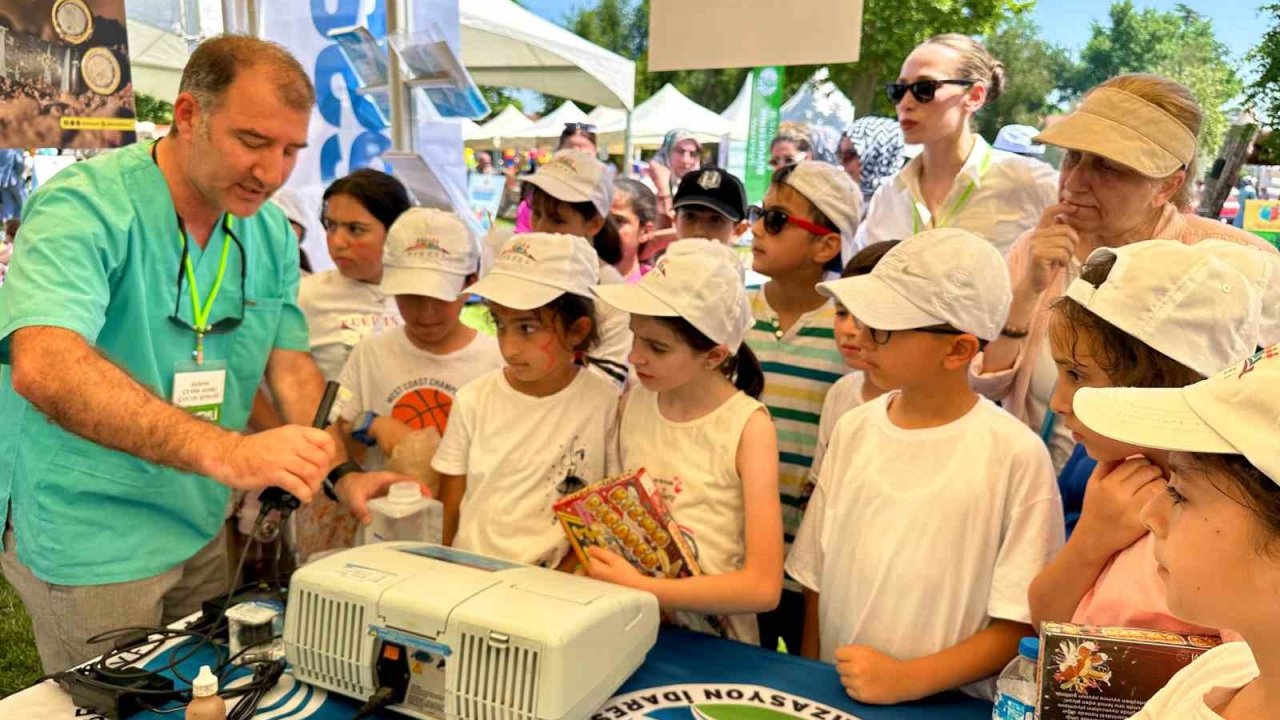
x=1130, y=593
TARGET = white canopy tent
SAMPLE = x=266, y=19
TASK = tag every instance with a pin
x=510, y=122
x=503, y=44
x=738, y=114
x=552, y=124
x=666, y=110
x=156, y=59
x=819, y=102
x=602, y=116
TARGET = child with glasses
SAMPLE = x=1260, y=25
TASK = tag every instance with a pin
x=958, y=180
x=808, y=209
x=934, y=508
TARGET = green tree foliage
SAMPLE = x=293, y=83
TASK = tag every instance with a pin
x=1179, y=44
x=1264, y=92
x=152, y=109
x=1034, y=70
x=500, y=97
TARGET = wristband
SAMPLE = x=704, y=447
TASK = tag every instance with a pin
x=336, y=474
x=361, y=432
x=1015, y=334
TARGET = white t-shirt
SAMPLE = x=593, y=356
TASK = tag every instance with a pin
x=520, y=454
x=844, y=395
x=695, y=464
x=341, y=313
x=1007, y=199
x=391, y=376
x=1204, y=686
x=918, y=539
x=615, y=329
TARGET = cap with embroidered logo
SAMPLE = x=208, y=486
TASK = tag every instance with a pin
x=428, y=252
x=576, y=176
x=1235, y=412
x=714, y=189
x=533, y=269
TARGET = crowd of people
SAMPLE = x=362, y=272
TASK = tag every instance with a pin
x=971, y=395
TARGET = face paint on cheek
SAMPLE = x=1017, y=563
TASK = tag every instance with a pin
x=547, y=350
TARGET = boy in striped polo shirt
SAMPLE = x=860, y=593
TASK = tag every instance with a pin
x=809, y=210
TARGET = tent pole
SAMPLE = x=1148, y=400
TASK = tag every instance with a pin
x=627, y=149
x=401, y=94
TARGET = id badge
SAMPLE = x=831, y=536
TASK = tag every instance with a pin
x=200, y=389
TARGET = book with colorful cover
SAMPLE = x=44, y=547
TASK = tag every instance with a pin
x=626, y=515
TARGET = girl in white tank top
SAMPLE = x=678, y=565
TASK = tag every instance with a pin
x=694, y=425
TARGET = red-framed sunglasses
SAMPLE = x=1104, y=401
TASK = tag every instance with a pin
x=776, y=220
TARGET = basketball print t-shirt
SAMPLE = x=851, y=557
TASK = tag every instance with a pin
x=391, y=376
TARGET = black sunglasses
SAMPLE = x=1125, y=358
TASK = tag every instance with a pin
x=225, y=325
x=882, y=337
x=576, y=126
x=923, y=90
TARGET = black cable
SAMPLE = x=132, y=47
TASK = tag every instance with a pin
x=376, y=702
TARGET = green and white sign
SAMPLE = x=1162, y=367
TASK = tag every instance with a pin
x=766, y=99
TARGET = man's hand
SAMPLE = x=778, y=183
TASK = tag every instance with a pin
x=292, y=457
x=355, y=490
x=872, y=677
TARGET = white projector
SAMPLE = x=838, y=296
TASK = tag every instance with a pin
x=459, y=636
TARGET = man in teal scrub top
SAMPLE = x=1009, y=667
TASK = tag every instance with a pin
x=154, y=290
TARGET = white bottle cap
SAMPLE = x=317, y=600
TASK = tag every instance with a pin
x=403, y=493
x=205, y=684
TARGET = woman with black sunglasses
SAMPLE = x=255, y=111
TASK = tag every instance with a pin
x=958, y=180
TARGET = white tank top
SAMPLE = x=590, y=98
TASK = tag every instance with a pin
x=695, y=465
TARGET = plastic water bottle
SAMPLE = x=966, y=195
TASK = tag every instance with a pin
x=1016, y=689
x=405, y=514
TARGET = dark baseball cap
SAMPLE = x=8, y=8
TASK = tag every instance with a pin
x=715, y=189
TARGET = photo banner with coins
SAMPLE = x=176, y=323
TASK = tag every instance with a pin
x=64, y=75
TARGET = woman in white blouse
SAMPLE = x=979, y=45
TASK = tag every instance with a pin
x=958, y=180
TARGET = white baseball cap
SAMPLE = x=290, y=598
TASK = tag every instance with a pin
x=830, y=190
x=1018, y=139
x=699, y=280
x=428, y=252
x=1262, y=270
x=1234, y=412
x=1178, y=299
x=938, y=277
x=534, y=269
x=576, y=176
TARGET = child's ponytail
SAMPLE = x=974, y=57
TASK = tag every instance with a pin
x=745, y=371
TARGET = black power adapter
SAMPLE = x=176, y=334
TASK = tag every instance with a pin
x=117, y=693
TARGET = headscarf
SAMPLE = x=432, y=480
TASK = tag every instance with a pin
x=878, y=142
x=669, y=142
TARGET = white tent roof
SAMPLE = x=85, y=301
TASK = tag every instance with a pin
x=156, y=59
x=739, y=111
x=507, y=123
x=667, y=110
x=602, y=116
x=503, y=44
x=819, y=102
x=552, y=124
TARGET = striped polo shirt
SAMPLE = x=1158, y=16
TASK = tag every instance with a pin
x=799, y=366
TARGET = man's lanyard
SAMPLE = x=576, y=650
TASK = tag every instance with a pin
x=199, y=312
x=941, y=221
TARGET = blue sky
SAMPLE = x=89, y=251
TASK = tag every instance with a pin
x=1067, y=22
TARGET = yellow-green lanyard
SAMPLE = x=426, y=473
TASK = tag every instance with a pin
x=917, y=223
x=201, y=314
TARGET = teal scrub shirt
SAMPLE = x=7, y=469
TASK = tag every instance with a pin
x=100, y=255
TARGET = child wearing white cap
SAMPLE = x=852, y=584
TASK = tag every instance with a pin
x=934, y=508
x=695, y=425
x=1151, y=314
x=404, y=381
x=797, y=234
x=573, y=194
x=523, y=436
x=1216, y=525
